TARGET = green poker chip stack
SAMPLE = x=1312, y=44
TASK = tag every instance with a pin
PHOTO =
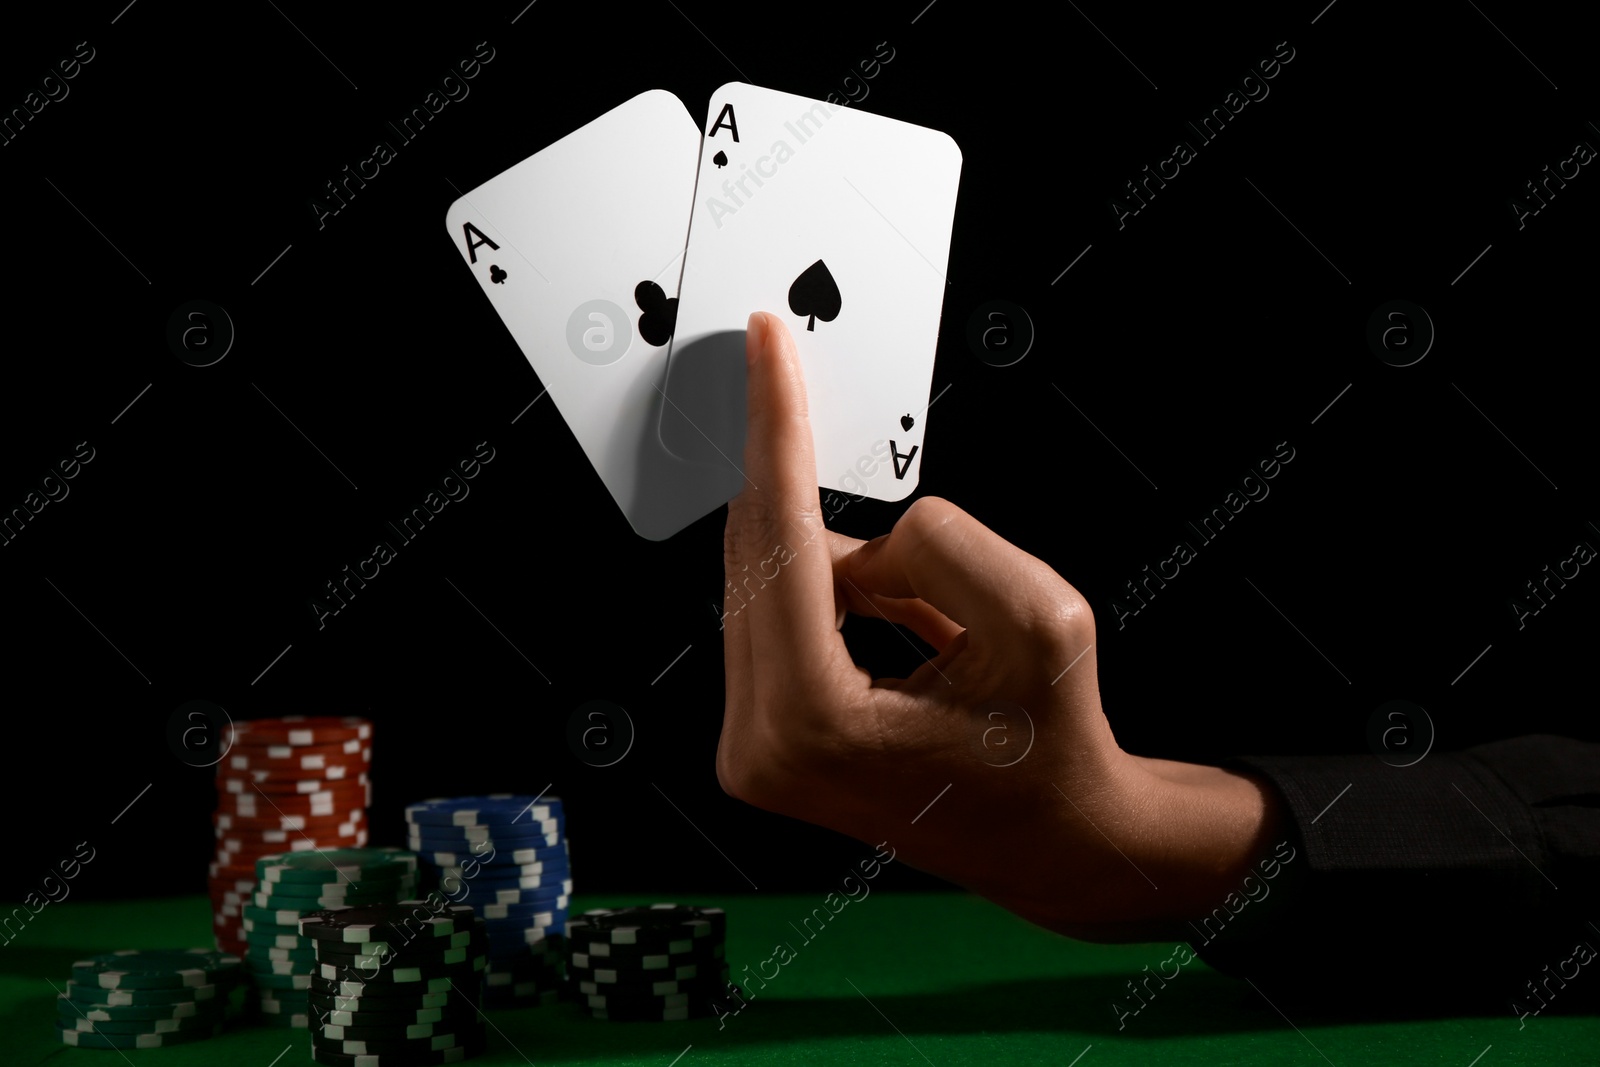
x=282, y=961
x=151, y=998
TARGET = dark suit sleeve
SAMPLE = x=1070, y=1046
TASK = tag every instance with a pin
x=1471, y=877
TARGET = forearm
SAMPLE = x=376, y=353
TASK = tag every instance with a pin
x=1186, y=839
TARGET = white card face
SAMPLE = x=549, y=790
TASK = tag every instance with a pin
x=838, y=222
x=569, y=246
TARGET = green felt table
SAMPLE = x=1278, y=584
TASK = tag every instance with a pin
x=891, y=979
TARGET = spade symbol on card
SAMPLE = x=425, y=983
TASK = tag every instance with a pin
x=496, y=275
x=815, y=295
x=906, y=422
x=720, y=159
x=660, y=314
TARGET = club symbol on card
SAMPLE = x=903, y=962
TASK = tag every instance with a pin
x=906, y=422
x=496, y=275
x=660, y=313
x=815, y=295
x=720, y=159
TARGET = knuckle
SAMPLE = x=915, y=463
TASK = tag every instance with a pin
x=1058, y=617
x=757, y=525
x=928, y=525
x=927, y=515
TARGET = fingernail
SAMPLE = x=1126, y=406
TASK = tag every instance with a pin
x=755, y=337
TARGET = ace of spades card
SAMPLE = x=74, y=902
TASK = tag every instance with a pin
x=839, y=222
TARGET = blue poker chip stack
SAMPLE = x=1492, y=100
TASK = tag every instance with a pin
x=505, y=856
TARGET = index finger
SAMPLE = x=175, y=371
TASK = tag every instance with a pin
x=778, y=557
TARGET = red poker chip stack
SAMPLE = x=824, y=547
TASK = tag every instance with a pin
x=286, y=785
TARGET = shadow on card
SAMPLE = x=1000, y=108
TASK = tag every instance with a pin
x=703, y=418
x=673, y=487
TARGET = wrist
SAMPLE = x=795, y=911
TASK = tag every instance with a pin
x=1205, y=829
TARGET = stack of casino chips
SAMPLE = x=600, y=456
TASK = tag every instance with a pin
x=660, y=963
x=506, y=856
x=149, y=999
x=397, y=985
x=284, y=785
x=292, y=885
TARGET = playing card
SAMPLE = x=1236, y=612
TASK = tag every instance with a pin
x=579, y=248
x=839, y=222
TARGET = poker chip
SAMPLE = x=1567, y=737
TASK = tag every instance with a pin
x=395, y=977
x=94, y=994
x=270, y=939
x=480, y=831
x=658, y=923
x=372, y=954
x=261, y=967
x=287, y=917
x=377, y=1002
x=531, y=930
x=299, y=731
x=287, y=1006
x=525, y=875
x=417, y=1059
x=496, y=809
x=548, y=843
x=379, y=1032
x=299, y=757
x=332, y=892
x=525, y=913
x=644, y=961
x=529, y=861
x=396, y=983
x=70, y=1010
x=338, y=866
x=158, y=969
x=474, y=896
x=516, y=944
x=325, y=804
x=262, y=782
x=465, y=1036
x=659, y=963
x=149, y=998
x=489, y=880
x=493, y=850
x=713, y=982
x=362, y=896
x=354, y=968
x=609, y=1000
x=142, y=1026
x=633, y=975
x=387, y=923
x=294, y=953
x=388, y=1022
x=403, y=943
x=345, y=823
x=79, y=1039
x=447, y=983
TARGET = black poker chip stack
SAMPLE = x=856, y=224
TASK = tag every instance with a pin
x=659, y=963
x=397, y=985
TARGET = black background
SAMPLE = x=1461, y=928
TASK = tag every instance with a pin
x=1196, y=338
